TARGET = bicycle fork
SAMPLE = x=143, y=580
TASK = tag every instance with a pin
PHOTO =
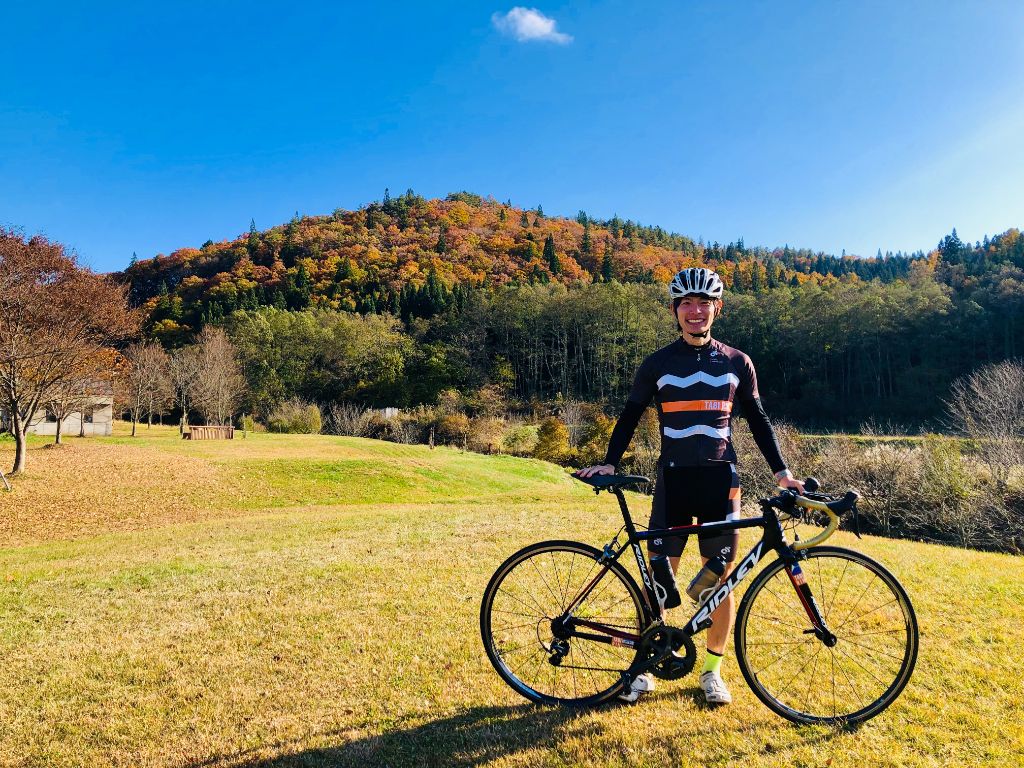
x=819, y=628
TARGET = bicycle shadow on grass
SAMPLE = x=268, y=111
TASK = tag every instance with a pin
x=469, y=739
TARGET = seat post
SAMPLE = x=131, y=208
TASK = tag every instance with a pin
x=627, y=520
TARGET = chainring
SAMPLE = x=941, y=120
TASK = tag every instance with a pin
x=660, y=648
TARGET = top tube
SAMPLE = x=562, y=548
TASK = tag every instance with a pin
x=784, y=503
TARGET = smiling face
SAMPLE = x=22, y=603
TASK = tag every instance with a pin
x=696, y=315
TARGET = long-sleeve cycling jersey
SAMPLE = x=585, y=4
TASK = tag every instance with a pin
x=695, y=389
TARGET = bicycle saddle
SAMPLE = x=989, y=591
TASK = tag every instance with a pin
x=611, y=482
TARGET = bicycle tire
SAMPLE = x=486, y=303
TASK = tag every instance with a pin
x=515, y=623
x=867, y=609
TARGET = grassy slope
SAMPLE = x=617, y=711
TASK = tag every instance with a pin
x=290, y=600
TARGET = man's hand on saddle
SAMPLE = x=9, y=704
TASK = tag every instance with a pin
x=597, y=469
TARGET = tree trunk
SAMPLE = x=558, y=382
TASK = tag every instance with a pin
x=20, y=443
x=60, y=423
x=134, y=422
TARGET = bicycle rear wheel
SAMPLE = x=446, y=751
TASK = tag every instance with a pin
x=535, y=586
x=797, y=675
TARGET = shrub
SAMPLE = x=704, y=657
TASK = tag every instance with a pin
x=346, y=419
x=249, y=424
x=400, y=428
x=594, y=440
x=452, y=429
x=489, y=400
x=553, y=441
x=295, y=416
x=485, y=434
x=520, y=440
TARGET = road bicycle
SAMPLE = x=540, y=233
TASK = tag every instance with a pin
x=822, y=635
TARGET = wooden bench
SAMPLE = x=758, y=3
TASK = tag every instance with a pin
x=209, y=433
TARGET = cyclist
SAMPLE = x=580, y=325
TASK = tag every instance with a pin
x=695, y=381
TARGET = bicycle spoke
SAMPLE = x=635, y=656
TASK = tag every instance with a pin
x=780, y=657
x=866, y=613
x=546, y=585
x=849, y=681
x=504, y=628
x=536, y=606
x=810, y=679
x=866, y=670
x=874, y=650
x=783, y=623
x=879, y=632
x=558, y=579
x=513, y=613
x=839, y=586
x=859, y=598
x=794, y=677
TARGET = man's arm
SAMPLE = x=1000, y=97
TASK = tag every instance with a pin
x=764, y=435
x=761, y=428
x=623, y=432
x=644, y=387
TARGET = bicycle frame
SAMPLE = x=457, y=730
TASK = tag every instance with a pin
x=773, y=539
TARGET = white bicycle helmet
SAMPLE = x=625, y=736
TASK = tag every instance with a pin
x=696, y=281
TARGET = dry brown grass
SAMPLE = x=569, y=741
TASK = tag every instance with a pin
x=89, y=486
x=306, y=634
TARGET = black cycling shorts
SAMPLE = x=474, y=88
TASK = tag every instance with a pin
x=709, y=494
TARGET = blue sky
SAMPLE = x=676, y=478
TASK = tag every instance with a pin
x=841, y=125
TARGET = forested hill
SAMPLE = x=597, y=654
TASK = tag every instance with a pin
x=392, y=303
x=406, y=256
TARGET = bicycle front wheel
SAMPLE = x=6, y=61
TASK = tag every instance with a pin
x=532, y=589
x=800, y=677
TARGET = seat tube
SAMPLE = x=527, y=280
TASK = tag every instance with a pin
x=626, y=519
x=641, y=561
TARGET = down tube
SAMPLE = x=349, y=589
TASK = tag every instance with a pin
x=708, y=607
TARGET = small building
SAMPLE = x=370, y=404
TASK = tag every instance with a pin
x=96, y=417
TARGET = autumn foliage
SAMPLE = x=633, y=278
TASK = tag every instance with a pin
x=413, y=257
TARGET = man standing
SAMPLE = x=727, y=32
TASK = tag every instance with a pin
x=695, y=382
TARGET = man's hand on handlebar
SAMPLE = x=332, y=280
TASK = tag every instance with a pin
x=597, y=469
x=785, y=479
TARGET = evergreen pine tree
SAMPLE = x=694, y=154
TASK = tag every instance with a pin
x=607, y=271
x=524, y=220
x=550, y=256
x=254, y=238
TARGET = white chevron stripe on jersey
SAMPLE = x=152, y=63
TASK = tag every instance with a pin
x=699, y=429
x=699, y=376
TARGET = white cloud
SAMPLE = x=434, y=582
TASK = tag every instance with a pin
x=527, y=24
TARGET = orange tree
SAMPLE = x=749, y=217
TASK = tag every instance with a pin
x=55, y=317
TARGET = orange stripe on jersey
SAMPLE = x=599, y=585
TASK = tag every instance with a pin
x=697, y=405
x=734, y=493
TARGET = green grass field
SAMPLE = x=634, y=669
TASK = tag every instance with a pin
x=304, y=601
